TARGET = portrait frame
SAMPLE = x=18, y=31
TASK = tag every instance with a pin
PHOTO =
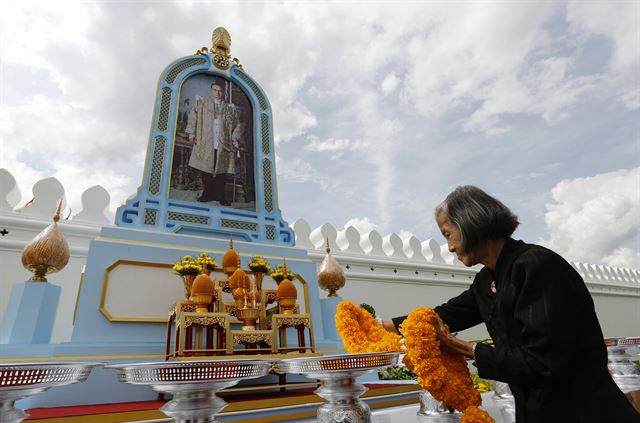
x=153, y=208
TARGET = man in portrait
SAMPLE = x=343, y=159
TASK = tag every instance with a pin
x=215, y=129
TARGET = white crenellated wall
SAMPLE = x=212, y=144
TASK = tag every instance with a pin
x=392, y=274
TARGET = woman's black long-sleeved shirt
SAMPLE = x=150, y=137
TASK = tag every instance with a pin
x=548, y=345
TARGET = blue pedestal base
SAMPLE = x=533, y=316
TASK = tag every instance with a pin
x=329, y=306
x=30, y=313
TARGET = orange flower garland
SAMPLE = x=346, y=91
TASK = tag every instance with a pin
x=476, y=415
x=444, y=375
x=361, y=333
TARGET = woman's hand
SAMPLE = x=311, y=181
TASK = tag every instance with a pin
x=450, y=343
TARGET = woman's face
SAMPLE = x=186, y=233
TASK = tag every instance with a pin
x=454, y=240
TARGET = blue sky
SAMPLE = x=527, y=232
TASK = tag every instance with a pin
x=380, y=109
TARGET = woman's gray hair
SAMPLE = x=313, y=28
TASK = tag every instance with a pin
x=478, y=216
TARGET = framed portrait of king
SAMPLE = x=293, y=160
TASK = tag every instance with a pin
x=210, y=164
x=213, y=153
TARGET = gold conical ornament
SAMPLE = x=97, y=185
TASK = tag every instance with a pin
x=287, y=294
x=230, y=260
x=239, y=278
x=202, y=292
x=48, y=252
x=330, y=277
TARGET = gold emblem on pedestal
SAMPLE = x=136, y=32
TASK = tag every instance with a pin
x=330, y=277
x=48, y=252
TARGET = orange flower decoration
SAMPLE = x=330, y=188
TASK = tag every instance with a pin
x=476, y=415
x=444, y=375
x=361, y=333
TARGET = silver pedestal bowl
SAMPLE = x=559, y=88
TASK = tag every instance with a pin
x=434, y=411
x=193, y=384
x=21, y=380
x=339, y=388
x=623, y=370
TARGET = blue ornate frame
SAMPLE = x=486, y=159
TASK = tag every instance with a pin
x=152, y=209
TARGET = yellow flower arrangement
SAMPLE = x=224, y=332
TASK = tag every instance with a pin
x=187, y=266
x=259, y=264
x=206, y=262
x=481, y=385
x=444, y=375
x=361, y=333
x=281, y=274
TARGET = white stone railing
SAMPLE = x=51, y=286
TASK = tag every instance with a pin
x=378, y=268
x=46, y=195
x=350, y=242
x=347, y=244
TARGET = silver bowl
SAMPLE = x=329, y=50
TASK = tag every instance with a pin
x=339, y=388
x=193, y=384
x=21, y=380
x=621, y=366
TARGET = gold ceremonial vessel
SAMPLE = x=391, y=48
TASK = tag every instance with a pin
x=248, y=316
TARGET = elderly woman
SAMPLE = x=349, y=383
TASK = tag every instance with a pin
x=547, y=342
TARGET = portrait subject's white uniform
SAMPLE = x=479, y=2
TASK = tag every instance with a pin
x=214, y=124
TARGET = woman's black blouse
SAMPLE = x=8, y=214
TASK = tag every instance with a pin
x=548, y=344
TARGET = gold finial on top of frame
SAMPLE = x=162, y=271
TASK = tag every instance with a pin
x=220, y=49
x=221, y=42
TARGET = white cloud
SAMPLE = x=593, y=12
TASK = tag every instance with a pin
x=390, y=83
x=623, y=257
x=362, y=224
x=597, y=219
x=301, y=172
x=597, y=18
x=333, y=144
x=589, y=18
x=46, y=138
x=631, y=99
x=379, y=109
x=404, y=234
x=294, y=119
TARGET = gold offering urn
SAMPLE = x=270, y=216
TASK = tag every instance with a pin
x=330, y=277
x=203, y=292
x=48, y=252
x=287, y=295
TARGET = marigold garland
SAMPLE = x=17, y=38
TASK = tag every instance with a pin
x=474, y=414
x=444, y=375
x=361, y=333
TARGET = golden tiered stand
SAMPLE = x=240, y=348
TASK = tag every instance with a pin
x=281, y=322
x=212, y=334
